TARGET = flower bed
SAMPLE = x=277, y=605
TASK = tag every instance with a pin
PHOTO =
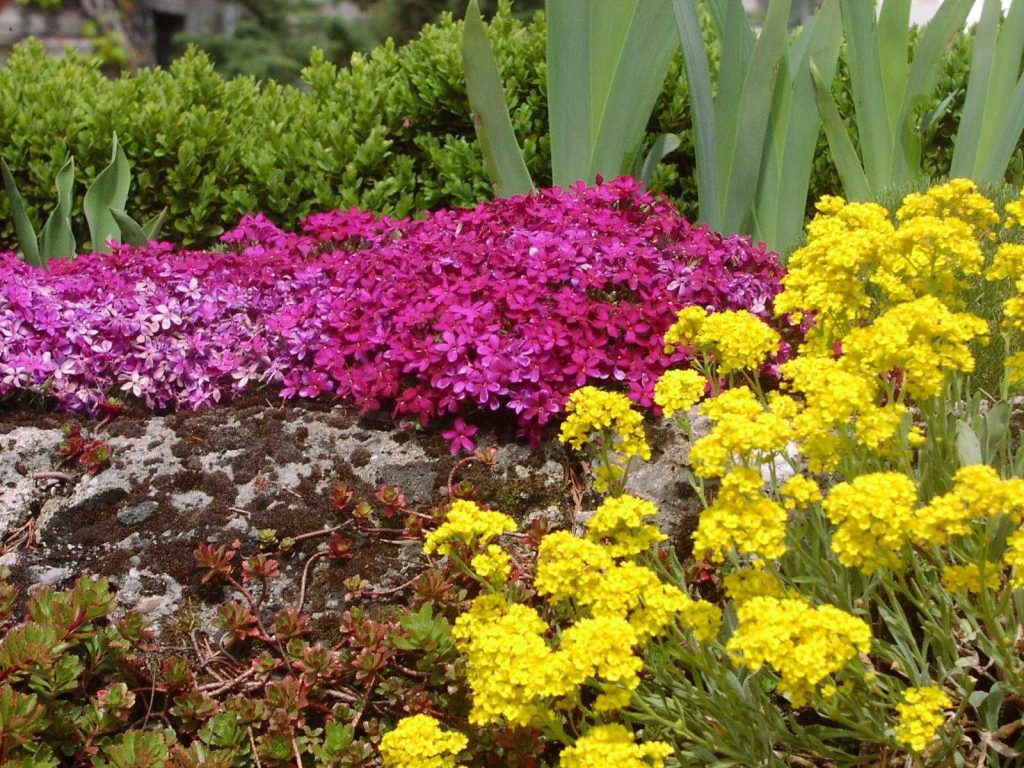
x=513, y=305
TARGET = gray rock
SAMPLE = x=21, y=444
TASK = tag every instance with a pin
x=25, y=450
x=50, y=576
x=191, y=501
x=137, y=513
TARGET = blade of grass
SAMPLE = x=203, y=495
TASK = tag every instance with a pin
x=491, y=118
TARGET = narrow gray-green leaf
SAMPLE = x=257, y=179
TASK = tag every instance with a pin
x=698, y=76
x=1002, y=149
x=152, y=227
x=638, y=76
x=569, y=103
x=876, y=138
x=663, y=146
x=851, y=172
x=748, y=133
x=109, y=191
x=1005, y=74
x=58, y=239
x=968, y=447
x=894, y=54
x=491, y=118
x=132, y=232
x=983, y=55
x=23, y=228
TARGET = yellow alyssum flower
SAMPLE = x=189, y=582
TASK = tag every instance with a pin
x=920, y=716
x=738, y=340
x=594, y=411
x=569, y=567
x=419, y=742
x=683, y=332
x=799, y=492
x=1014, y=367
x=702, y=619
x=600, y=647
x=1014, y=558
x=678, y=390
x=612, y=697
x=633, y=592
x=744, y=432
x=468, y=523
x=828, y=276
x=957, y=198
x=510, y=667
x=620, y=524
x=977, y=493
x=492, y=565
x=1013, y=313
x=613, y=746
x=1015, y=212
x=971, y=578
x=1007, y=264
x=748, y=583
x=874, y=515
x=803, y=643
x=742, y=518
x=922, y=339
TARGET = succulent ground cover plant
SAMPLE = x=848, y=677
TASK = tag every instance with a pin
x=513, y=305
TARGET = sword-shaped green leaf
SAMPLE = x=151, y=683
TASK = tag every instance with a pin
x=108, y=192
x=502, y=154
x=569, y=94
x=135, y=234
x=851, y=172
x=58, y=239
x=22, y=225
x=663, y=146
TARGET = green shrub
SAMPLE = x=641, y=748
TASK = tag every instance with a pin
x=390, y=133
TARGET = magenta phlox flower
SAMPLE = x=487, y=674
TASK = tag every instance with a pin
x=460, y=436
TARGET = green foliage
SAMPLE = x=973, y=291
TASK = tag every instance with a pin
x=103, y=206
x=392, y=133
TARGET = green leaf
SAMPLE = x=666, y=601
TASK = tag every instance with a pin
x=131, y=231
x=108, y=193
x=983, y=54
x=851, y=172
x=893, y=45
x=698, y=76
x=58, y=240
x=502, y=155
x=629, y=76
x=869, y=94
x=748, y=133
x=152, y=227
x=663, y=146
x=968, y=447
x=569, y=108
x=1003, y=121
x=22, y=226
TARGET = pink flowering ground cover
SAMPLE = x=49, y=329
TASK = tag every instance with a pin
x=512, y=305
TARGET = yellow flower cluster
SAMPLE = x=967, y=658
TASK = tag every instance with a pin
x=492, y=565
x=803, y=643
x=920, y=338
x=419, y=742
x=468, y=523
x=735, y=339
x=920, y=716
x=799, y=492
x=678, y=390
x=874, y=515
x=746, y=584
x=741, y=518
x=591, y=410
x=1014, y=558
x=745, y=431
x=613, y=746
x=978, y=492
x=971, y=577
x=511, y=668
x=957, y=199
x=620, y=524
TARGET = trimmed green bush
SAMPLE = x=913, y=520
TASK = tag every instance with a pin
x=391, y=133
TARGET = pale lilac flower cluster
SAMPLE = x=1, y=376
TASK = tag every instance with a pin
x=512, y=305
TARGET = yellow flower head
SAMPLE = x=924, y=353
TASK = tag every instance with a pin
x=971, y=578
x=741, y=518
x=468, y=523
x=492, y=565
x=874, y=515
x=419, y=742
x=920, y=716
x=591, y=410
x=620, y=523
x=738, y=340
x=799, y=492
x=1014, y=558
x=613, y=746
x=685, y=329
x=744, y=432
x=749, y=583
x=569, y=567
x=958, y=199
x=802, y=643
x=678, y=390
